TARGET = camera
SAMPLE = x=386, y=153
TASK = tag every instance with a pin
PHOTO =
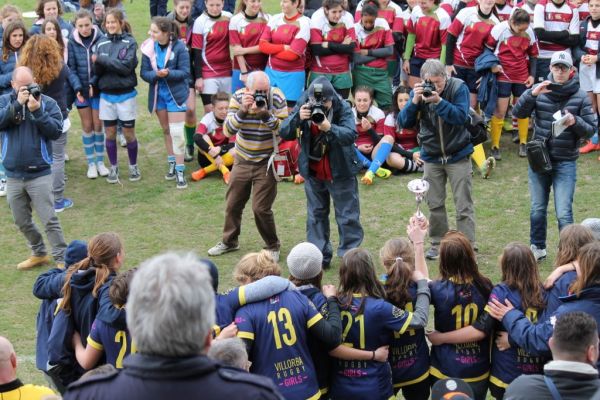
x=260, y=98
x=428, y=88
x=360, y=116
x=34, y=90
x=317, y=106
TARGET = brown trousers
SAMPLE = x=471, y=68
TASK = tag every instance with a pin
x=248, y=177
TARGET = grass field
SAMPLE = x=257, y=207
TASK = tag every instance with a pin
x=152, y=216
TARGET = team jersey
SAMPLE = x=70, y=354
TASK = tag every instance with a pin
x=504, y=11
x=246, y=33
x=378, y=37
x=471, y=31
x=450, y=6
x=373, y=328
x=226, y=305
x=295, y=33
x=214, y=129
x=592, y=38
x=456, y=306
x=278, y=329
x=430, y=31
x=512, y=50
x=392, y=14
x=322, y=31
x=116, y=344
x=560, y=289
x=509, y=364
x=405, y=137
x=377, y=118
x=525, y=5
x=409, y=352
x=583, y=10
x=405, y=17
x=548, y=16
x=211, y=35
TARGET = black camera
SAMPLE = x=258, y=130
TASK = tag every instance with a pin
x=34, y=90
x=360, y=116
x=260, y=98
x=317, y=106
x=428, y=88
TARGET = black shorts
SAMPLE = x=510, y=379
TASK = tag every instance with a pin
x=415, y=66
x=505, y=89
x=469, y=76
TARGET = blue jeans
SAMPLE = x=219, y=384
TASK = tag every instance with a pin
x=344, y=193
x=562, y=181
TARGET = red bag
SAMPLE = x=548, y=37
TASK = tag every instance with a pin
x=284, y=160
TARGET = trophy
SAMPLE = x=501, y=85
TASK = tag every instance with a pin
x=419, y=187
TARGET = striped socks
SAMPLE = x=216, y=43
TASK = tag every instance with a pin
x=88, y=147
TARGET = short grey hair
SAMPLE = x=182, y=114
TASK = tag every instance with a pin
x=230, y=352
x=171, y=306
x=433, y=67
x=252, y=77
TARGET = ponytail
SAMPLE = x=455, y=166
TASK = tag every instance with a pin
x=396, y=286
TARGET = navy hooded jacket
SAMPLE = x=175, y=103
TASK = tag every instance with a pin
x=487, y=95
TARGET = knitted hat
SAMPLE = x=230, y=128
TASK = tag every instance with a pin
x=304, y=261
x=594, y=225
x=76, y=251
x=214, y=272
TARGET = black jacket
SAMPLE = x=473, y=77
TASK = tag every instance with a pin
x=157, y=378
x=564, y=147
x=114, y=69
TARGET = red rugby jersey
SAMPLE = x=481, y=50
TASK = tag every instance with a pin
x=471, y=32
x=246, y=33
x=322, y=31
x=295, y=33
x=211, y=35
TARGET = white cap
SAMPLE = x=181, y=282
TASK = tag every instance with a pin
x=561, y=57
x=594, y=225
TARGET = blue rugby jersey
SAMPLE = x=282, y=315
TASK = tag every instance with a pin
x=373, y=328
x=560, y=289
x=226, y=305
x=115, y=343
x=456, y=306
x=509, y=364
x=278, y=329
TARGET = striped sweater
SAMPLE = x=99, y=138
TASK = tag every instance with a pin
x=254, y=140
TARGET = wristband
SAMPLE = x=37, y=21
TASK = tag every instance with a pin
x=244, y=73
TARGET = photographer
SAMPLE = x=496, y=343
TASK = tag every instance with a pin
x=329, y=164
x=30, y=122
x=254, y=115
x=443, y=105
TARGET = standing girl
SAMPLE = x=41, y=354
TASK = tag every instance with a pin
x=458, y=297
x=50, y=9
x=8, y=14
x=210, y=50
x=515, y=45
x=115, y=61
x=285, y=41
x=245, y=30
x=83, y=40
x=51, y=28
x=166, y=66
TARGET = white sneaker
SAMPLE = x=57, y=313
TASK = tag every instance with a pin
x=275, y=255
x=2, y=187
x=539, y=254
x=92, y=172
x=102, y=170
x=221, y=248
x=121, y=139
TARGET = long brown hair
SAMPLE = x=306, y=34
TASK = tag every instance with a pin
x=520, y=272
x=589, y=267
x=43, y=56
x=102, y=251
x=357, y=276
x=59, y=37
x=6, y=47
x=119, y=15
x=571, y=239
x=39, y=9
x=458, y=262
x=398, y=258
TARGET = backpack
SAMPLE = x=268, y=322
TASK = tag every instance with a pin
x=477, y=128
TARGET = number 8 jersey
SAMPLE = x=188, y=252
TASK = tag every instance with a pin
x=278, y=329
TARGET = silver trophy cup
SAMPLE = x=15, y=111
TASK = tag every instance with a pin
x=419, y=187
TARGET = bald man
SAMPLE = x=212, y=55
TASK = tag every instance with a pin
x=256, y=127
x=12, y=388
x=29, y=124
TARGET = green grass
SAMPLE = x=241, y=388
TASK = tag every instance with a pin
x=153, y=217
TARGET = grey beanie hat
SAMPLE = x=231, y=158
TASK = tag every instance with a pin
x=594, y=225
x=305, y=261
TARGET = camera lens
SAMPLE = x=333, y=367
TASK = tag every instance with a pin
x=317, y=116
x=260, y=103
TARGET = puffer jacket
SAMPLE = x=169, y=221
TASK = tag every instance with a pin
x=116, y=60
x=177, y=61
x=27, y=146
x=80, y=61
x=65, y=27
x=6, y=69
x=564, y=147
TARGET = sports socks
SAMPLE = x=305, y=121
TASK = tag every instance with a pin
x=99, y=146
x=189, y=134
x=410, y=166
x=496, y=130
x=523, y=129
x=88, y=140
x=380, y=156
x=111, y=150
x=132, y=152
x=478, y=155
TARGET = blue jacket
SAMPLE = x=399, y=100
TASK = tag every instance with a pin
x=65, y=27
x=114, y=69
x=340, y=140
x=487, y=95
x=80, y=61
x=534, y=338
x=27, y=146
x=178, y=63
x=6, y=69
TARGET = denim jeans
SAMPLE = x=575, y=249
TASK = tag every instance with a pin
x=562, y=181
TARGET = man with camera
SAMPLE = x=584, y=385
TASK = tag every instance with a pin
x=254, y=116
x=563, y=116
x=442, y=106
x=329, y=164
x=29, y=121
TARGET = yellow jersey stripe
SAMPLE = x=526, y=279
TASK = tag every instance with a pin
x=498, y=382
x=438, y=374
x=315, y=396
x=245, y=335
x=407, y=323
x=412, y=382
x=94, y=344
x=216, y=330
x=324, y=391
x=314, y=320
x=242, y=295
